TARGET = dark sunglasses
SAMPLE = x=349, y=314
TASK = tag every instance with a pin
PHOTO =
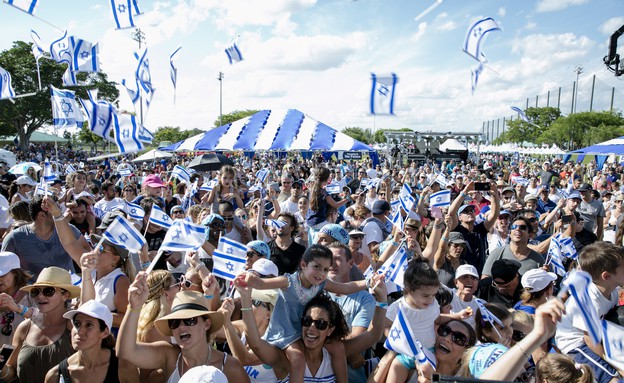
x=228, y=218
x=47, y=292
x=357, y=236
x=129, y=190
x=518, y=335
x=457, y=337
x=177, y=212
x=8, y=327
x=531, y=220
x=175, y=323
x=257, y=303
x=519, y=227
x=320, y=324
x=242, y=216
x=251, y=254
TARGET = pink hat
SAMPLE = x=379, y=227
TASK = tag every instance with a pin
x=153, y=181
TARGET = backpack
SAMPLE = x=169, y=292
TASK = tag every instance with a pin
x=384, y=231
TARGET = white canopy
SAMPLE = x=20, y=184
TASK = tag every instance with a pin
x=452, y=144
x=152, y=155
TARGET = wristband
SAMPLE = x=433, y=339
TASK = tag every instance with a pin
x=463, y=194
x=208, y=296
x=246, y=308
x=444, y=239
x=59, y=218
x=145, y=265
x=24, y=310
x=394, y=243
x=133, y=310
x=382, y=305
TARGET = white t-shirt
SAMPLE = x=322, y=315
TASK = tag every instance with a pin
x=458, y=305
x=5, y=217
x=289, y=207
x=421, y=321
x=372, y=233
x=234, y=235
x=570, y=330
x=107, y=206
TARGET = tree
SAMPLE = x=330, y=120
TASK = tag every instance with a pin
x=173, y=134
x=364, y=135
x=380, y=137
x=519, y=131
x=234, y=116
x=87, y=137
x=28, y=114
x=578, y=130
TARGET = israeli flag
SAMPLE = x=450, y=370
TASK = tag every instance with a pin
x=181, y=173
x=6, y=88
x=98, y=212
x=554, y=257
x=474, y=76
x=61, y=50
x=333, y=187
x=406, y=199
x=37, y=47
x=521, y=114
x=613, y=336
x=28, y=6
x=142, y=73
x=125, y=172
x=276, y=223
x=126, y=133
x=369, y=272
x=159, y=217
x=210, y=184
x=568, y=249
x=399, y=266
x=85, y=56
x=85, y=194
x=100, y=117
x=134, y=211
x=64, y=108
x=475, y=36
x=123, y=234
x=520, y=181
x=233, y=53
x=184, y=235
x=441, y=198
x=69, y=169
x=48, y=174
x=69, y=78
x=397, y=219
x=382, y=94
x=487, y=314
x=578, y=283
x=395, y=205
x=229, y=258
x=441, y=180
x=123, y=13
x=145, y=135
x=262, y=174
x=401, y=340
x=41, y=189
x=481, y=216
x=174, y=70
x=138, y=95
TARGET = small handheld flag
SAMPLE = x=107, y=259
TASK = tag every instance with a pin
x=123, y=234
x=159, y=217
x=401, y=340
x=184, y=236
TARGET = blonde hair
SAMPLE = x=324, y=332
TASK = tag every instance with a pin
x=523, y=318
x=558, y=368
x=156, y=304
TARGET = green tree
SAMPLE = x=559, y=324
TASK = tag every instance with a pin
x=28, y=114
x=234, y=116
x=578, y=130
x=519, y=131
x=381, y=138
x=173, y=134
x=364, y=135
x=87, y=137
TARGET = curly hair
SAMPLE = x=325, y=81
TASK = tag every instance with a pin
x=336, y=317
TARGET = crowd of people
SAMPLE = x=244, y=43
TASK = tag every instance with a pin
x=316, y=302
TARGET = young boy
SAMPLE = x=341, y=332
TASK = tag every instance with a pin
x=605, y=263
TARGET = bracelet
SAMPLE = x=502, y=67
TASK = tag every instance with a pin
x=59, y=218
x=246, y=308
x=368, y=283
x=24, y=310
x=145, y=265
x=463, y=194
x=394, y=243
x=524, y=352
x=382, y=305
x=208, y=296
x=444, y=239
x=130, y=309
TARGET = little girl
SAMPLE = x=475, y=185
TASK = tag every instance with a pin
x=226, y=190
x=295, y=291
x=319, y=199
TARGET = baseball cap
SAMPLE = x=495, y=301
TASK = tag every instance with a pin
x=466, y=270
x=265, y=267
x=505, y=269
x=211, y=218
x=261, y=248
x=464, y=207
x=8, y=261
x=501, y=183
x=504, y=212
x=356, y=232
x=575, y=195
x=380, y=207
x=25, y=180
x=413, y=223
x=456, y=238
x=94, y=309
x=337, y=232
x=537, y=279
x=507, y=189
x=484, y=356
x=203, y=374
x=530, y=197
x=153, y=181
x=584, y=187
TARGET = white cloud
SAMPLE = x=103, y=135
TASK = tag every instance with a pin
x=442, y=23
x=611, y=25
x=422, y=27
x=557, y=5
x=530, y=25
x=502, y=12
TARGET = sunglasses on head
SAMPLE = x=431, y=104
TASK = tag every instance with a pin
x=320, y=324
x=519, y=227
x=518, y=335
x=47, y=292
x=457, y=337
x=175, y=323
x=7, y=329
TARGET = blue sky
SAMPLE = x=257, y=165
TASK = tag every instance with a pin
x=317, y=56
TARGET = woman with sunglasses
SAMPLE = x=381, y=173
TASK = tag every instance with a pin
x=15, y=305
x=129, y=192
x=190, y=323
x=44, y=340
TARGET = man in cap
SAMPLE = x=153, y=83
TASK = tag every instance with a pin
x=544, y=204
x=565, y=207
x=375, y=227
x=291, y=205
x=591, y=210
x=503, y=287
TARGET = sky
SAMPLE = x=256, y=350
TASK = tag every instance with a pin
x=317, y=56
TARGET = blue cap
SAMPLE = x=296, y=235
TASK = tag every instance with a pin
x=337, y=232
x=260, y=247
x=211, y=218
x=504, y=212
x=483, y=356
x=575, y=195
x=464, y=207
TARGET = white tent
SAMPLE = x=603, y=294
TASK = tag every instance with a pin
x=152, y=155
x=452, y=144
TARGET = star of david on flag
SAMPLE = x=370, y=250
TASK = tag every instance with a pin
x=6, y=88
x=262, y=174
x=100, y=116
x=159, y=217
x=397, y=219
x=184, y=235
x=475, y=36
x=333, y=187
x=64, y=108
x=126, y=133
x=406, y=199
x=69, y=169
x=440, y=199
x=401, y=340
x=229, y=259
x=85, y=55
x=382, y=94
x=134, y=211
x=181, y=173
x=124, y=12
x=28, y=6
x=123, y=234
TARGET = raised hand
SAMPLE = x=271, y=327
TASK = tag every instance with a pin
x=138, y=291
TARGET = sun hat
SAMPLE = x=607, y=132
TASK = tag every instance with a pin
x=337, y=232
x=203, y=374
x=55, y=277
x=457, y=238
x=537, y=279
x=153, y=181
x=413, y=223
x=190, y=304
x=268, y=296
x=507, y=189
x=265, y=267
x=93, y=309
x=25, y=180
x=8, y=261
x=261, y=248
x=466, y=270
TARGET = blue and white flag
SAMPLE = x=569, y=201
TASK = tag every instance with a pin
x=482, y=214
x=382, y=94
x=41, y=189
x=397, y=219
x=401, y=340
x=69, y=78
x=520, y=181
x=399, y=266
x=69, y=169
x=369, y=272
x=228, y=265
x=126, y=133
x=6, y=88
x=474, y=76
x=613, y=339
x=125, y=172
x=395, y=205
x=142, y=73
x=211, y=184
x=181, y=173
x=521, y=114
x=174, y=70
x=147, y=137
x=578, y=283
x=184, y=235
x=123, y=234
x=554, y=257
x=440, y=179
x=100, y=116
x=487, y=314
x=123, y=13
x=64, y=108
x=276, y=223
x=262, y=174
x=406, y=199
x=333, y=187
x=37, y=47
x=475, y=36
x=233, y=53
x=134, y=211
x=85, y=55
x=568, y=249
x=28, y=6
x=48, y=174
x=98, y=212
x=61, y=50
x=440, y=199
x=159, y=217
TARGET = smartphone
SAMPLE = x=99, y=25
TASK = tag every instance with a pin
x=566, y=218
x=5, y=352
x=482, y=186
x=436, y=212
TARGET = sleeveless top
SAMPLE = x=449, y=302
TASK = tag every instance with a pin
x=34, y=362
x=105, y=288
x=260, y=373
x=175, y=375
x=24, y=198
x=112, y=373
x=325, y=373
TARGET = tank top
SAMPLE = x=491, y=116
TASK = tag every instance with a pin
x=34, y=362
x=112, y=373
x=175, y=375
x=260, y=373
x=105, y=288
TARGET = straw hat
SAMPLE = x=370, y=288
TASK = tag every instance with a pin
x=190, y=304
x=55, y=277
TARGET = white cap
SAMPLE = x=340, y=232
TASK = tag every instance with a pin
x=466, y=270
x=203, y=374
x=25, y=180
x=93, y=309
x=265, y=267
x=8, y=261
x=537, y=279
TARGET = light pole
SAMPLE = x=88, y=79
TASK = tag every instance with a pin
x=578, y=69
x=220, y=78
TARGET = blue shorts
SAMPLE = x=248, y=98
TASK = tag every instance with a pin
x=603, y=372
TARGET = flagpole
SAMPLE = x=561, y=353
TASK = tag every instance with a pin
x=38, y=74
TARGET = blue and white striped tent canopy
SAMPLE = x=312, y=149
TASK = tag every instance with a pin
x=271, y=130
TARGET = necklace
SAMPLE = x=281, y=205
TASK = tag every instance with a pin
x=206, y=363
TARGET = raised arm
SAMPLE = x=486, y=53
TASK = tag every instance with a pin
x=87, y=265
x=240, y=352
x=495, y=211
x=75, y=247
x=458, y=201
x=440, y=255
x=434, y=238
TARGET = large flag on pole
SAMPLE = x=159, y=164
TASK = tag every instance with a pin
x=64, y=108
x=174, y=70
x=382, y=94
x=233, y=53
x=126, y=133
x=6, y=88
x=28, y=6
x=475, y=36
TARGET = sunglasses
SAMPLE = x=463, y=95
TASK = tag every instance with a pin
x=242, y=216
x=7, y=329
x=519, y=227
x=457, y=337
x=228, y=218
x=186, y=283
x=320, y=324
x=251, y=254
x=175, y=323
x=518, y=335
x=257, y=303
x=47, y=292
x=357, y=236
x=129, y=190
